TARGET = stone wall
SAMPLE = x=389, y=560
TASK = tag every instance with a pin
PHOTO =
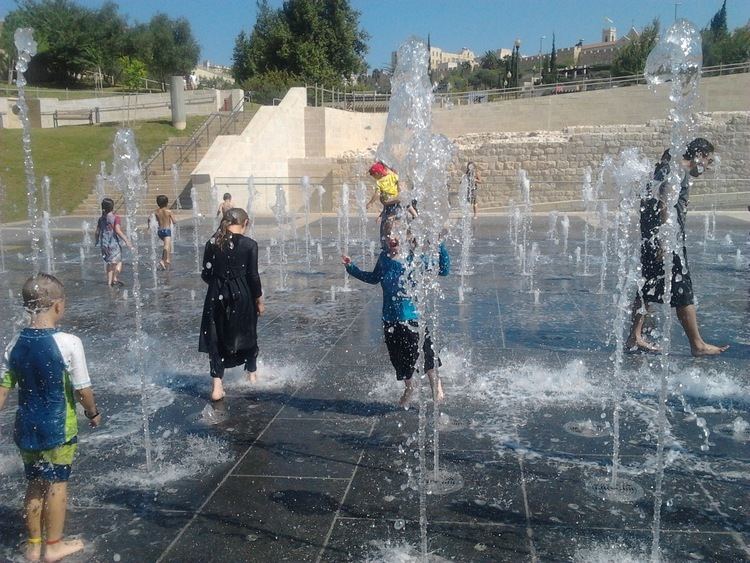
x=555, y=161
x=116, y=109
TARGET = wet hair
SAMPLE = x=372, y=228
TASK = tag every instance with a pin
x=233, y=216
x=107, y=205
x=41, y=291
x=697, y=146
x=227, y=196
x=162, y=200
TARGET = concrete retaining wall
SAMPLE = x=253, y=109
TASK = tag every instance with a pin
x=115, y=109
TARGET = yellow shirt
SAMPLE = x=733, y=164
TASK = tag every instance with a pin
x=388, y=186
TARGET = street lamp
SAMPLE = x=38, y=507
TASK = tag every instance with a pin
x=517, y=55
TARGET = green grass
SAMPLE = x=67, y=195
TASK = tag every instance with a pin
x=70, y=156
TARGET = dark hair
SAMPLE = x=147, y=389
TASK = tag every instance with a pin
x=41, y=291
x=227, y=196
x=699, y=145
x=468, y=164
x=107, y=205
x=233, y=216
x=162, y=200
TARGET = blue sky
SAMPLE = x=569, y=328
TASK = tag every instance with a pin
x=480, y=25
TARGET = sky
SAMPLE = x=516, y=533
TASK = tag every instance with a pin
x=480, y=25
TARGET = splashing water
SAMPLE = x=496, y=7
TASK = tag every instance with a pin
x=196, y=228
x=128, y=178
x=565, y=227
x=306, y=195
x=26, y=48
x=251, y=195
x=677, y=58
x=466, y=234
x=280, y=213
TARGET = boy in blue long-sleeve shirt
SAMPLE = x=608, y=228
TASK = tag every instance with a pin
x=400, y=316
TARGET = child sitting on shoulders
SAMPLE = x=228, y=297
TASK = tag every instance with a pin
x=49, y=368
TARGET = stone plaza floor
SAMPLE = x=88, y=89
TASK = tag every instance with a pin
x=315, y=462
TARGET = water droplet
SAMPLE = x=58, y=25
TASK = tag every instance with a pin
x=208, y=265
x=399, y=524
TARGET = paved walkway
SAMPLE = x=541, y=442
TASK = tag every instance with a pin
x=315, y=463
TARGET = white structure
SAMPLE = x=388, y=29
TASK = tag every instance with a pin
x=442, y=61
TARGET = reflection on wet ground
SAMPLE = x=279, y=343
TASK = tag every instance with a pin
x=315, y=462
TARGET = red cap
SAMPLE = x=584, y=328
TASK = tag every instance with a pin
x=378, y=169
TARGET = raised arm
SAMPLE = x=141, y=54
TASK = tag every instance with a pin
x=373, y=277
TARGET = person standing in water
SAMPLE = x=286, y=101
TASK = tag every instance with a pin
x=234, y=300
x=400, y=315
x=697, y=158
x=108, y=236
x=472, y=184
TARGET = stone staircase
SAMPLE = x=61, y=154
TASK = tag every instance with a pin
x=178, y=153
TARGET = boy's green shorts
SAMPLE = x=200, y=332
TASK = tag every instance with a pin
x=49, y=465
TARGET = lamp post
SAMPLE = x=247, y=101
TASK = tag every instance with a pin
x=517, y=55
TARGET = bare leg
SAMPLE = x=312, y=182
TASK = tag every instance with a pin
x=408, y=392
x=217, y=390
x=252, y=376
x=110, y=274
x=32, y=515
x=166, y=253
x=55, y=503
x=475, y=210
x=689, y=321
x=438, y=395
x=635, y=341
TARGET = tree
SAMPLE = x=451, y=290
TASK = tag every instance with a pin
x=490, y=61
x=133, y=72
x=308, y=40
x=718, y=26
x=631, y=59
x=174, y=50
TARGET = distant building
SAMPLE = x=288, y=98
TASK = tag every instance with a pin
x=207, y=71
x=593, y=54
x=443, y=61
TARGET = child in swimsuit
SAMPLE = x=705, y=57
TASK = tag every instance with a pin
x=164, y=221
x=108, y=236
x=225, y=205
x=49, y=369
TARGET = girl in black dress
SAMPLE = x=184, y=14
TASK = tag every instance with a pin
x=233, y=300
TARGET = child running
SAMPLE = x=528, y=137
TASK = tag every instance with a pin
x=108, y=236
x=49, y=368
x=400, y=317
x=164, y=220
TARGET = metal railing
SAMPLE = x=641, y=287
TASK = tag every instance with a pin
x=202, y=135
x=359, y=101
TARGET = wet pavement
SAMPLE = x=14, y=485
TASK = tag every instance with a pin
x=316, y=462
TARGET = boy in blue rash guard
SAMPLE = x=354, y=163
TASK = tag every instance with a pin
x=49, y=368
x=400, y=317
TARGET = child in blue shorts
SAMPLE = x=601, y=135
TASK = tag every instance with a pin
x=49, y=368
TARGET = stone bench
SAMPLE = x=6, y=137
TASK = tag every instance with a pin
x=90, y=115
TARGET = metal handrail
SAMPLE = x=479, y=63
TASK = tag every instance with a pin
x=370, y=101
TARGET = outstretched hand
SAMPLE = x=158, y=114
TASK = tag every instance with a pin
x=345, y=260
x=260, y=307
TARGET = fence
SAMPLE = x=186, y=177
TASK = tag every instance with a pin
x=358, y=101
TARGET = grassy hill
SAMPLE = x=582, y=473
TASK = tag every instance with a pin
x=70, y=156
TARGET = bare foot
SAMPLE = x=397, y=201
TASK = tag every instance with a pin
x=406, y=398
x=61, y=549
x=32, y=551
x=161, y=265
x=708, y=350
x=634, y=345
x=252, y=376
x=217, y=392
